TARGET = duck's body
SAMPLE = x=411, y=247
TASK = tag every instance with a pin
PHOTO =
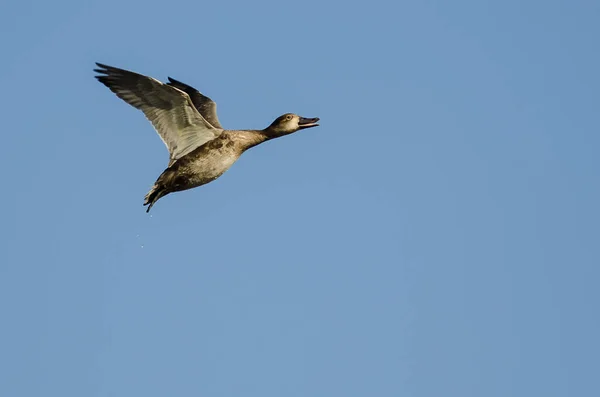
x=206, y=163
x=201, y=150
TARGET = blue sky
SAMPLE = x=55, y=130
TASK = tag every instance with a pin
x=437, y=235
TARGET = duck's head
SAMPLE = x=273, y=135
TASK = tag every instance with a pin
x=290, y=123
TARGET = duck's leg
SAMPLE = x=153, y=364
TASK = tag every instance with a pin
x=157, y=191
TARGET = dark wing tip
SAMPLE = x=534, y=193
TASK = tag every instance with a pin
x=110, y=76
x=102, y=68
x=111, y=70
x=182, y=86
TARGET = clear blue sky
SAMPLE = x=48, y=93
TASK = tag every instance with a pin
x=438, y=235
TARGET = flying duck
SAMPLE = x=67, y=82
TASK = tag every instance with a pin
x=200, y=150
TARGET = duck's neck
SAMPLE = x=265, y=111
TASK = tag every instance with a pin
x=250, y=138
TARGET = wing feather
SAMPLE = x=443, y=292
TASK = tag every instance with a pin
x=170, y=109
x=206, y=106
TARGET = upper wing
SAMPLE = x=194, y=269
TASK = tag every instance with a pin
x=205, y=105
x=169, y=109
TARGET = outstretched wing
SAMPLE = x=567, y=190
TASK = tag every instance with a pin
x=206, y=106
x=169, y=109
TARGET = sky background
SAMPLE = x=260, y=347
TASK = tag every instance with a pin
x=437, y=235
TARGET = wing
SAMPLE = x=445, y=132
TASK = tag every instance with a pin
x=169, y=109
x=205, y=105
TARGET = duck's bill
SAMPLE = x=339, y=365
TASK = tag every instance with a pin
x=307, y=123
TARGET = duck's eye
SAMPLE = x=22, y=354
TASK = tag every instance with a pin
x=289, y=117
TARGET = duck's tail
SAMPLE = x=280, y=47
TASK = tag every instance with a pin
x=157, y=191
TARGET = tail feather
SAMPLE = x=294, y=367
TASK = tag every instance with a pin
x=154, y=195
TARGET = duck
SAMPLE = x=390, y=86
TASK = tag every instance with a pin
x=200, y=149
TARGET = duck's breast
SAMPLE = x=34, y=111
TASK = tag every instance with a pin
x=211, y=160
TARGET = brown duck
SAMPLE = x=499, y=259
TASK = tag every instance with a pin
x=200, y=149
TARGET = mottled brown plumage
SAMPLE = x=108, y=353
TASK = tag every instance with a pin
x=186, y=120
